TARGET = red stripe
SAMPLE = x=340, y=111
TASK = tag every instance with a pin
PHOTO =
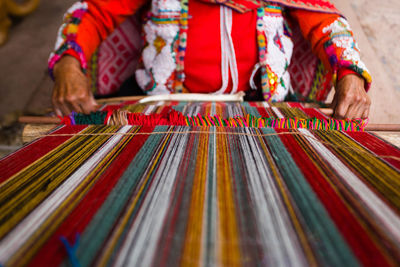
x=377, y=146
x=314, y=113
x=263, y=112
x=165, y=110
x=356, y=236
x=53, y=251
x=295, y=104
x=112, y=107
x=25, y=156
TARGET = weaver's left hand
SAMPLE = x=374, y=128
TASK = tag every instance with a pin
x=351, y=101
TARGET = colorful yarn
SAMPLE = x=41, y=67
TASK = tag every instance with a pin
x=176, y=118
x=262, y=54
x=343, y=52
x=178, y=196
x=182, y=39
x=71, y=250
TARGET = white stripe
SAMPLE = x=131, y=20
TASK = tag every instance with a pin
x=28, y=226
x=277, y=234
x=192, y=109
x=278, y=113
x=213, y=109
x=381, y=211
x=140, y=243
x=149, y=109
x=265, y=104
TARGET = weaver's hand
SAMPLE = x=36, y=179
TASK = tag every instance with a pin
x=71, y=90
x=351, y=101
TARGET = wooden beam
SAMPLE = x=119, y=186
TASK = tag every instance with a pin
x=119, y=99
x=39, y=120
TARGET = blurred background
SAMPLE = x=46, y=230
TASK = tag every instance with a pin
x=25, y=87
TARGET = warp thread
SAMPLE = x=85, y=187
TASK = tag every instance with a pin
x=176, y=118
x=216, y=133
x=71, y=250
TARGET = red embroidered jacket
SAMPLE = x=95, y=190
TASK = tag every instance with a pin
x=89, y=22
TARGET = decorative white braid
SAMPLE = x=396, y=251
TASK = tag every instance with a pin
x=228, y=56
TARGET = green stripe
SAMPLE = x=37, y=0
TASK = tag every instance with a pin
x=181, y=105
x=327, y=241
x=97, y=231
x=251, y=110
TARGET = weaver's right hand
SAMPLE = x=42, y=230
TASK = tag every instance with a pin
x=71, y=90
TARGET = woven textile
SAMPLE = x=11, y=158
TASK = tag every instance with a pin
x=201, y=196
x=254, y=114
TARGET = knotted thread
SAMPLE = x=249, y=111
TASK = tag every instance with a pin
x=176, y=118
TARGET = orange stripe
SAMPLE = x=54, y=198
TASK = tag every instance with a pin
x=191, y=255
x=228, y=238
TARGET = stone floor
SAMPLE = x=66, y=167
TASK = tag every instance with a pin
x=25, y=87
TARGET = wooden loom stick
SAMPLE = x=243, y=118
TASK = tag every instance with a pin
x=193, y=97
x=119, y=99
x=39, y=120
x=33, y=131
x=176, y=97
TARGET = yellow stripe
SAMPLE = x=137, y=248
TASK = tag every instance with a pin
x=228, y=239
x=293, y=113
x=191, y=255
x=367, y=165
x=60, y=164
x=30, y=248
x=372, y=228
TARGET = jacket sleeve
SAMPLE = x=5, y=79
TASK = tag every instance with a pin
x=86, y=24
x=333, y=42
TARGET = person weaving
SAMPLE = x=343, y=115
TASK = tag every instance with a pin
x=217, y=47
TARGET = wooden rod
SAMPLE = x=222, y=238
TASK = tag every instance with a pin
x=119, y=99
x=382, y=127
x=39, y=120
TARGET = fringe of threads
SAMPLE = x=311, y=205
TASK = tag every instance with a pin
x=176, y=118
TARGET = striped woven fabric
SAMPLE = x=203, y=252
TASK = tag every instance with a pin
x=200, y=196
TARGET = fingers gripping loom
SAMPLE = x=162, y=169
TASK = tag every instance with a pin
x=71, y=90
x=351, y=101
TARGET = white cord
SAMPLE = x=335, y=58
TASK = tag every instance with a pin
x=255, y=69
x=228, y=56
